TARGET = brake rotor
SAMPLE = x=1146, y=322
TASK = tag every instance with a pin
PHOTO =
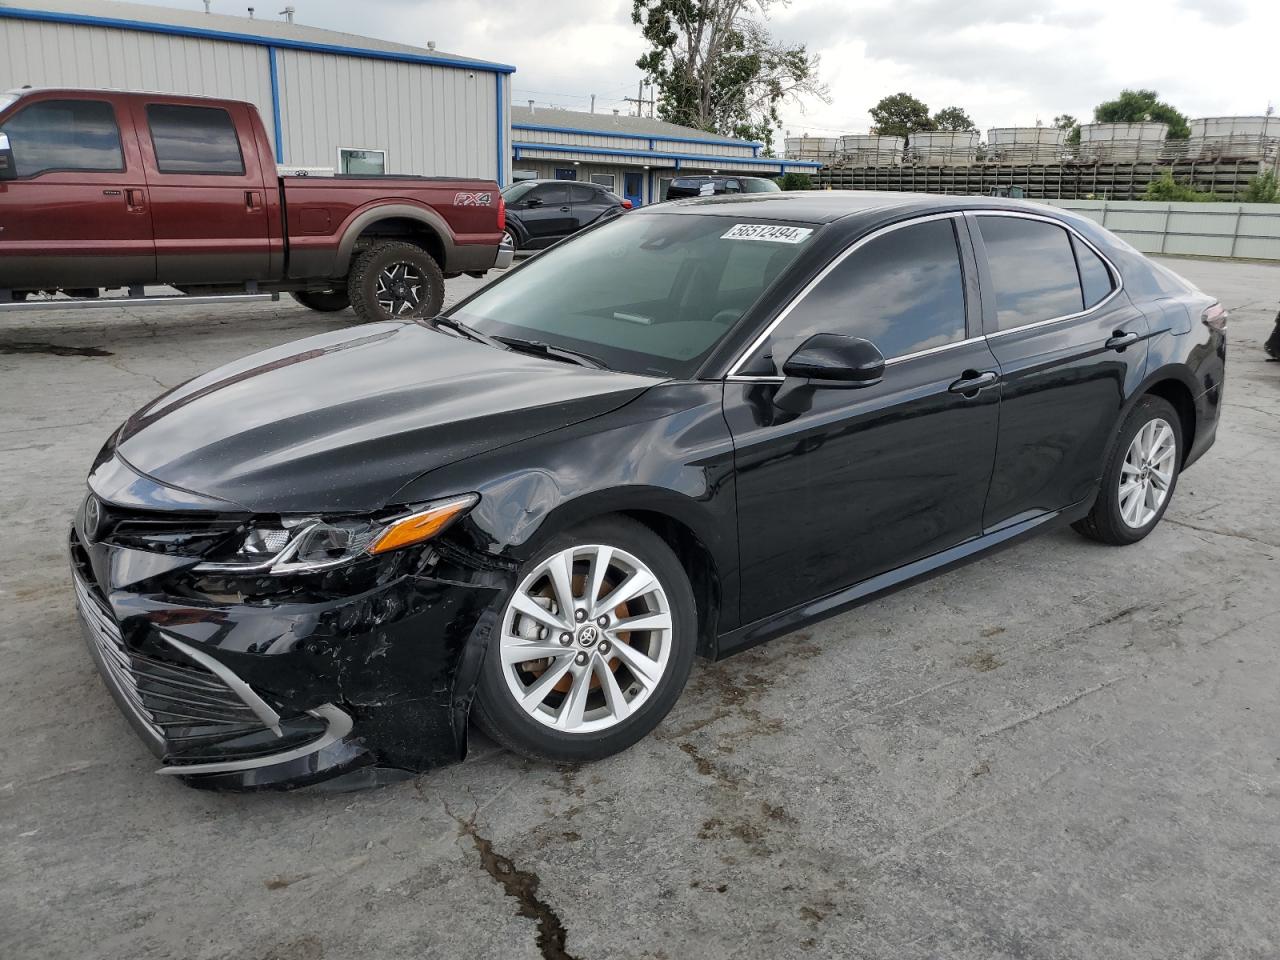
x=537, y=667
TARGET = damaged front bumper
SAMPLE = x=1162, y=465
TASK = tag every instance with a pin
x=242, y=690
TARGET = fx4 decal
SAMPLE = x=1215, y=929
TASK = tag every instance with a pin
x=472, y=199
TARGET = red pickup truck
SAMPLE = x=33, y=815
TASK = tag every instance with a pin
x=101, y=189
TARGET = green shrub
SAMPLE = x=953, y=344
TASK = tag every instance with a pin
x=795, y=181
x=1262, y=189
x=1167, y=189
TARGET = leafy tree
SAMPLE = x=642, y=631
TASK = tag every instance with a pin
x=1138, y=106
x=718, y=69
x=1165, y=188
x=953, y=118
x=1065, y=121
x=795, y=181
x=900, y=115
x=1263, y=188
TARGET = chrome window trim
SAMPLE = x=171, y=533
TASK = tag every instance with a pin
x=1116, y=277
x=858, y=244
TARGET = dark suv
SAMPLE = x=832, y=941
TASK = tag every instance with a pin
x=540, y=212
x=682, y=187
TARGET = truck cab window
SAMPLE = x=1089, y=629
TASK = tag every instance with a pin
x=194, y=139
x=54, y=135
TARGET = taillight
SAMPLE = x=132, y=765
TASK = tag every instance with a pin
x=626, y=204
x=502, y=212
x=1215, y=317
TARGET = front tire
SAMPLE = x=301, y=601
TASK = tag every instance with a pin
x=1140, y=477
x=595, y=645
x=394, y=280
x=327, y=301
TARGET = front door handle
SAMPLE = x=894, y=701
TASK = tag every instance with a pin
x=972, y=382
x=252, y=199
x=135, y=199
x=564, y=209
x=1120, y=339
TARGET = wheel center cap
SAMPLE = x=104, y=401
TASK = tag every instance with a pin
x=588, y=635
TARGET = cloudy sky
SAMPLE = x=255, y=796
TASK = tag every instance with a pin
x=1007, y=62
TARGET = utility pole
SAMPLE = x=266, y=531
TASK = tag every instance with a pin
x=641, y=102
x=593, y=103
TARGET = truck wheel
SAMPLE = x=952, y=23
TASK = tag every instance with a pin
x=394, y=280
x=328, y=301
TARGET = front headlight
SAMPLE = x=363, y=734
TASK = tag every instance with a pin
x=308, y=544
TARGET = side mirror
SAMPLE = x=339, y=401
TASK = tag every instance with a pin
x=827, y=360
x=8, y=168
x=830, y=360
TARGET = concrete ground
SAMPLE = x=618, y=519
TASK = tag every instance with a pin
x=1065, y=750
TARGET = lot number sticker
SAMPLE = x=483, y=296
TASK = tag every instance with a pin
x=771, y=233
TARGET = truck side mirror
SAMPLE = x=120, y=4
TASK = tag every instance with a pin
x=8, y=167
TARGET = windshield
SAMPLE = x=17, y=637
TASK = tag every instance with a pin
x=645, y=293
x=760, y=186
x=517, y=190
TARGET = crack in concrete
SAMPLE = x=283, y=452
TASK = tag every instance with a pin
x=1051, y=708
x=521, y=886
x=1223, y=533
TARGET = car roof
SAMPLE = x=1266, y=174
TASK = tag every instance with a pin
x=581, y=183
x=825, y=206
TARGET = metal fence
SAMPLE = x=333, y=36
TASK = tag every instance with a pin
x=1244, y=230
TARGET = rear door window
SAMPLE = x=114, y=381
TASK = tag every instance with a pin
x=1032, y=269
x=54, y=135
x=194, y=139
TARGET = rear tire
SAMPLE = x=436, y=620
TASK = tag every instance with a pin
x=628, y=680
x=394, y=280
x=1140, y=476
x=328, y=301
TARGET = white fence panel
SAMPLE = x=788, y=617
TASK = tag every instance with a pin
x=1242, y=230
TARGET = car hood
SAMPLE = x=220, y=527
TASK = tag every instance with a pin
x=339, y=422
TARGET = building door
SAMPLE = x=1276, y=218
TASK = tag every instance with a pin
x=633, y=188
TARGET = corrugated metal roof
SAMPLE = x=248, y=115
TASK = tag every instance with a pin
x=266, y=29
x=606, y=123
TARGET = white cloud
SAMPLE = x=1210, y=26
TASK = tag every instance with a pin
x=1006, y=62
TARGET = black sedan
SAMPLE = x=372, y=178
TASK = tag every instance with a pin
x=543, y=212
x=682, y=432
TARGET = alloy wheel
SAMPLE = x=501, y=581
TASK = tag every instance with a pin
x=399, y=289
x=1146, y=475
x=586, y=638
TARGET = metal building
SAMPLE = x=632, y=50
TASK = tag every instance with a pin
x=328, y=99
x=635, y=157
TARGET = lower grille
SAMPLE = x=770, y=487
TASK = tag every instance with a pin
x=192, y=711
x=104, y=634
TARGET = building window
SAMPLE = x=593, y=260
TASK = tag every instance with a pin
x=605, y=180
x=362, y=162
x=194, y=139
x=566, y=173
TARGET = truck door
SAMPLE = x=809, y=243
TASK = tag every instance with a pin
x=208, y=192
x=75, y=213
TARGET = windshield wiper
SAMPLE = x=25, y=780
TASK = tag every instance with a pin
x=543, y=349
x=467, y=331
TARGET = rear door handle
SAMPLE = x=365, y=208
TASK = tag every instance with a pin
x=564, y=209
x=252, y=199
x=1120, y=339
x=972, y=382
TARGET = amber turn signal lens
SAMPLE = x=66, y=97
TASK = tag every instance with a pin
x=421, y=526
